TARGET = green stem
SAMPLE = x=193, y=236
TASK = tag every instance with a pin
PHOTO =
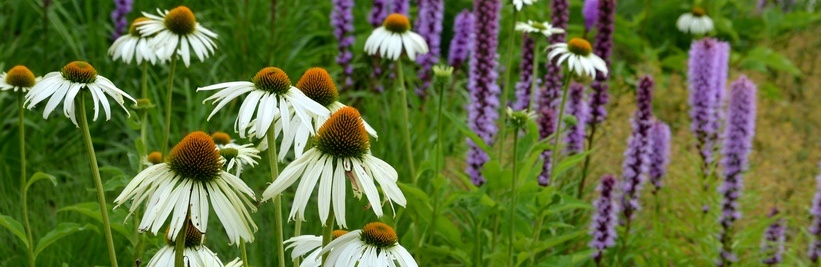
x=272, y=161
x=23, y=178
x=514, y=180
x=537, y=232
x=179, y=246
x=511, y=41
x=327, y=234
x=168, y=99
x=558, y=134
x=98, y=183
x=533, y=78
x=244, y=253
x=586, y=165
x=297, y=232
x=138, y=247
x=406, y=123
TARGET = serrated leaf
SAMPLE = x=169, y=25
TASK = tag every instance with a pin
x=40, y=176
x=15, y=227
x=62, y=230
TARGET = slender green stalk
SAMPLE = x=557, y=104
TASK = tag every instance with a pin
x=98, y=183
x=514, y=180
x=533, y=78
x=168, y=99
x=244, y=253
x=406, y=123
x=272, y=161
x=511, y=42
x=586, y=165
x=297, y=232
x=327, y=234
x=138, y=247
x=179, y=246
x=23, y=178
x=558, y=133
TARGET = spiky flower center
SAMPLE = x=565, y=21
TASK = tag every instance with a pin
x=79, y=72
x=221, y=138
x=343, y=135
x=193, y=236
x=273, y=80
x=337, y=233
x=318, y=85
x=180, y=20
x=134, y=25
x=196, y=157
x=579, y=46
x=698, y=12
x=229, y=153
x=20, y=76
x=379, y=235
x=154, y=157
x=397, y=23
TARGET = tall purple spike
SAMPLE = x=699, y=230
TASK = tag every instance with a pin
x=552, y=88
x=576, y=107
x=719, y=87
x=704, y=79
x=636, y=161
x=119, y=16
x=659, y=153
x=523, y=86
x=429, y=25
x=590, y=12
x=814, y=249
x=379, y=12
x=603, y=47
x=401, y=7
x=772, y=245
x=462, y=39
x=342, y=22
x=605, y=218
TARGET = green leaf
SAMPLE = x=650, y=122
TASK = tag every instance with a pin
x=115, y=183
x=92, y=209
x=40, y=176
x=62, y=230
x=15, y=227
x=462, y=127
x=760, y=57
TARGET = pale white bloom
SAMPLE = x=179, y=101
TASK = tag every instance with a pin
x=305, y=244
x=133, y=45
x=177, y=31
x=519, y=4
x=18, y=79
x=64, y=85
x=375, y=245
x=195, y=256
x=579, y=56
x=394, y=38
x=238, y=156
x=191, y=177
x=545, y=28
x=695, y=22
x=342, y=154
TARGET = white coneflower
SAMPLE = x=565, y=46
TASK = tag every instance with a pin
x=153, y=158
x=318, y=85
x=519, y=4
x=394, y=38
x=177, y=31
x=375, y=245
x=272, y=98
x=579, y=56
x=18, y=79
x=195, y=254
x=133, y=46
x=191, y=176
x=239, y=156
x=341, y=152
x=695, y=22
x=310, y=245
x=64, y=85
x=538, y=27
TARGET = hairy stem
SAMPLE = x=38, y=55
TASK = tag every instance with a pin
x=168, y=99
x=559, y=119
x=511, y=41
x=23, y=178
x=406, y=123
x=272, y=161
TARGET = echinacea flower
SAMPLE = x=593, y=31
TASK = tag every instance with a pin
x=538, y=27
x=133, y=45
x=273, y=99
x=64, y=85
x=310, y=245
x=395, y=38
x=341, y=152
x=519, y=4
x=695, y=22
x=318, y=85
x=178, y=32
x=579, y=56
x=375, y=245
x=239, y=156
x=191, y=177
x=18, y=79
x=152, y=159
x=195, y=254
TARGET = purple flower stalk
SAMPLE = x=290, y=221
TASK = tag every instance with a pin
x=484, y=91
x=551, y=91
x=659, y=153
x=576, y=107
x=379, y=12
x=738, y=142
x=772, y=245
x=342, y=22
x=118, y=15
x=605, y=25
x=523, y=86
x=401, y=6
x=706, y=80
x=462, y=41
x=719, y=85
x=814, y=250
x=636, y=157
x=605, y=218
x=590, y=12
x=429, y=25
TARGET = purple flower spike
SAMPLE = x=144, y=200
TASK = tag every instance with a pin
x=484, y=91
x=118, y=15
x=401, y=7
x=719, y=87
x=603, y=48
x=772, y=245
x=576, y=107
x=636, y=160
x=605, y=218
x=738, y=142
x=342, y=22
x=461, y=42
x=548, y=96
x=523, y=86
x=659, y=153
x=590, y=12
x=379, y=12
x=706, y=77
x=814, y=250
x=429, y=25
